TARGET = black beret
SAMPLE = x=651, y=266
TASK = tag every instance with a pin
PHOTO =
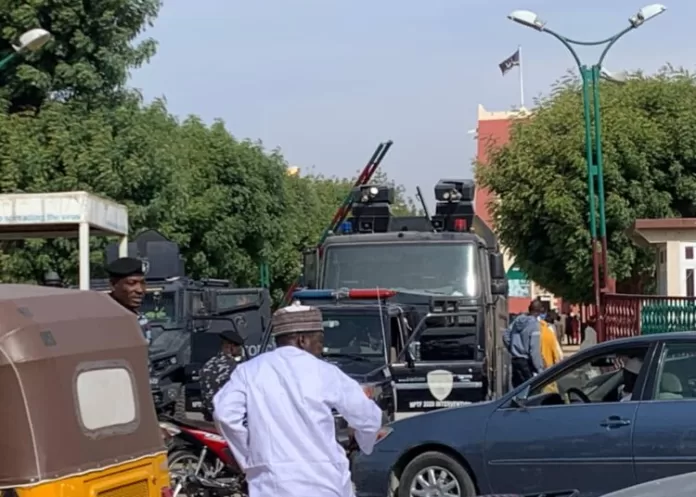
x=124, y=267
x=231, y=337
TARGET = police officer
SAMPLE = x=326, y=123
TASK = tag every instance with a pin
x=127, y=281
x=216, y=372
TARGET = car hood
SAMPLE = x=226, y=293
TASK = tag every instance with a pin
x=360, y=371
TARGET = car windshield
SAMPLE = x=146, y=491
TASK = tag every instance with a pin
x=159, y=306
x=442, y=268
x=353, y=335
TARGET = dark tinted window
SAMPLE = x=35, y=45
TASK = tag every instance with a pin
x=159, y=306
x=448, y=268
x=353, y=334
x=448, y=344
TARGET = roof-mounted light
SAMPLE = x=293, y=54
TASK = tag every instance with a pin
x=349, y=294
x=452, y=190
x=372, y=194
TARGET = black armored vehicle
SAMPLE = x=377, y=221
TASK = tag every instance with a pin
x=184, y=317
x=448, y=276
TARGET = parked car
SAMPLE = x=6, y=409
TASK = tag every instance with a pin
x=563, y=431
x=673, y=486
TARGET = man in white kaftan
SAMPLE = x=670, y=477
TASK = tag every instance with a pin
x=275, y=412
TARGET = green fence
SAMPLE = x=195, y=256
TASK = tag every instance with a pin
x=630, y=315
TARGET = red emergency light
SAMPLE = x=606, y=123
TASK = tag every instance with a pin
x=370, y=293
x=460, y=224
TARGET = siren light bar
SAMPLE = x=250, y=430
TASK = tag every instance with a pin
x=353, y=294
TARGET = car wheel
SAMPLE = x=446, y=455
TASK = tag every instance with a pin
x=435, y=474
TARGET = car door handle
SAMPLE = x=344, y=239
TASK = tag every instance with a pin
x=614, y=422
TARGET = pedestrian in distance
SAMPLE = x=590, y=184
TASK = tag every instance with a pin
x=522, y=339
x=218, y=369
x=276, y=413
x=127, y=281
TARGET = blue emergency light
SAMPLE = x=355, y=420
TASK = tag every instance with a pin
x=352, y=294
x=314, y=295
x=346, y=227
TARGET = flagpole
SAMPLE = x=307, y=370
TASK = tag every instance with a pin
x=519, y=51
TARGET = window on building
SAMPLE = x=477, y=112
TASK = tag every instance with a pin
x=689, y=282
x=689, y=253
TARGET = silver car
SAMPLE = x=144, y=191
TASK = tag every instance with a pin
x=672, y=486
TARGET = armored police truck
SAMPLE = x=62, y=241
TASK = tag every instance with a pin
x=448, y=268
x=185, y=316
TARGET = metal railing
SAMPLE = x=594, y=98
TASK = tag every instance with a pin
x=631, y=315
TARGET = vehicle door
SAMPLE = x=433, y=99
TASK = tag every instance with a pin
x=664, y=437
x=567, y=430
x=440, y=369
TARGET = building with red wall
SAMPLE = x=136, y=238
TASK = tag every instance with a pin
x=493, y=129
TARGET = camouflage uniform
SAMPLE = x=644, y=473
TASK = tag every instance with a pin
x=214, y=374
x=145, y=327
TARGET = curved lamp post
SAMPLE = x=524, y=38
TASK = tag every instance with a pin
x=31, y=41
x=595, y=169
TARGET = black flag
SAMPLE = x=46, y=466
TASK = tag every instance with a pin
x=510, y=62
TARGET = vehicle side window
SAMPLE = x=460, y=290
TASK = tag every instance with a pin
x=448, y=344
x=395, y=342
x=676, y=373
x=609, y=377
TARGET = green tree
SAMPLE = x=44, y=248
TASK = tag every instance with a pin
x=94, y=48
x=539, y=177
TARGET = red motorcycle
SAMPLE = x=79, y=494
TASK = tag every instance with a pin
x=200, y=462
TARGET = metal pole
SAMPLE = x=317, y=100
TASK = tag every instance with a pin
x=604, y=277
x=83, y=251
x=7, y=60
x=586, y=74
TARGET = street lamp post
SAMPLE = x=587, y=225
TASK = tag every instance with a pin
x=31, y=41
x=591, y=76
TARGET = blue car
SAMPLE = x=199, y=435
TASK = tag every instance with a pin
x=615, y=415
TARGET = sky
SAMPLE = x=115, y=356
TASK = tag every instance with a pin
x=327, y=80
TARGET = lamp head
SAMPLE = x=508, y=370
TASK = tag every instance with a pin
x=32, y=40
x=614, y=77
x=647, y=13
x=527, y=18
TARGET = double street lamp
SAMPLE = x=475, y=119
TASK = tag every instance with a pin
x=31, y=41
x=591, y=76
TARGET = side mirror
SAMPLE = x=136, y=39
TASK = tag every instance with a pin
x=520, y=398
x=499, y=284
x=499, y=287
x=495, y=260
x=310, y=259
x=413, y=352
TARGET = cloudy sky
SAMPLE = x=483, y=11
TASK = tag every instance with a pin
x=326, y=80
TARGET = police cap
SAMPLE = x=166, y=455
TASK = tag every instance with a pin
x=232, y=337
x=124, y=267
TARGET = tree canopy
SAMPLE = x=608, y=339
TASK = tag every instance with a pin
x=92, y=52
x=540, y=178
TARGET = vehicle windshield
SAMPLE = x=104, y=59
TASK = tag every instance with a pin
x=353, y=335
x=159, y=306
x=442, y=268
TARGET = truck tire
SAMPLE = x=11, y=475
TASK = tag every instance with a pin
x=452, y=474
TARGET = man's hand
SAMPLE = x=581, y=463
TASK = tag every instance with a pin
x=383, y=432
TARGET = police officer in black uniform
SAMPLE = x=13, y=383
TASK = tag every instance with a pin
x=127, y=281
x=216, y=372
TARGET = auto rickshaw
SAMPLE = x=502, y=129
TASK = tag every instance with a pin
x=76, y=413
